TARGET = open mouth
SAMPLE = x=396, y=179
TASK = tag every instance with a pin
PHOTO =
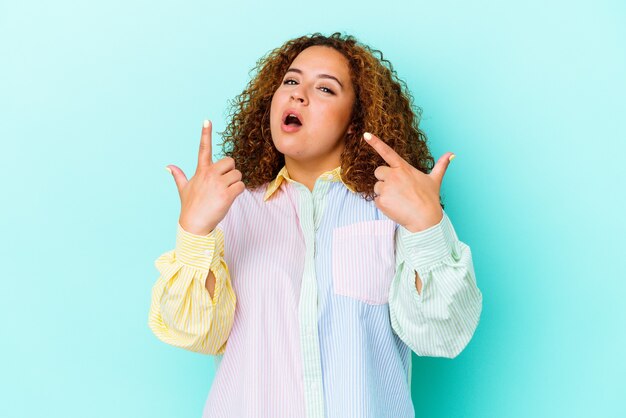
x=292, y=120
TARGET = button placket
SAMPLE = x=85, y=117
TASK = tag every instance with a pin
x=311, y=356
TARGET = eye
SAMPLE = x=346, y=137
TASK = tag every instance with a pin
x=289, y=80
x=326, y=90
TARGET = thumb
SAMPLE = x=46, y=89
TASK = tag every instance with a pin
x=179, y=177
x=441, y=166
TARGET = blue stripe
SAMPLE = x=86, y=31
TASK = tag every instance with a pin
x=365, y=366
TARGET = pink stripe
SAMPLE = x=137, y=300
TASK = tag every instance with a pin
x=363, y=260
x=262, y=364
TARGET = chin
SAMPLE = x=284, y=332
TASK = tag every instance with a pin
x=289, y=144
x=294, y=151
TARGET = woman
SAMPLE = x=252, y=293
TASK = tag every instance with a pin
x=316, y=256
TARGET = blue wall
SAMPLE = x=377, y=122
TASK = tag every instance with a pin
x=97, y=97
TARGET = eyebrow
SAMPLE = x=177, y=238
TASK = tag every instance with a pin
x=297, y=70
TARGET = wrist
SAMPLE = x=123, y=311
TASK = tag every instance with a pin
x=195, y=229
x=422, y=226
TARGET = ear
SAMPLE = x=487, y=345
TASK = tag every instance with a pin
x=350, y=129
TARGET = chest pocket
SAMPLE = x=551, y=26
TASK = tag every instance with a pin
x=363, y=260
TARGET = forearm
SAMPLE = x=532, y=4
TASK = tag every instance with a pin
x=193, y=302
x=210, y=284
x=436, y=311
x=418, y=283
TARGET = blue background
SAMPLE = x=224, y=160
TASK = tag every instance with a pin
x=97, y=97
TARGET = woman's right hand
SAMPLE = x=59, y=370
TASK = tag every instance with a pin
x=206, y=198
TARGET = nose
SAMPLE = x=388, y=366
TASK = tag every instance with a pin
x=298, y=95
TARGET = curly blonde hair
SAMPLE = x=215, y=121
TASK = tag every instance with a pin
x=383, y=105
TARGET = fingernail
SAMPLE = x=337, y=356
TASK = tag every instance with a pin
x=169, y=169
x=451, y=157
x=367, y=136
x=206, y=123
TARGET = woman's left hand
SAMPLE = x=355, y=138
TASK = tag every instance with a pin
x=405, y=194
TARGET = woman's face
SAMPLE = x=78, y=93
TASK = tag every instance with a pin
x=317, y=89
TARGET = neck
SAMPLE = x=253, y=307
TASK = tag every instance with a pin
x=307, y=173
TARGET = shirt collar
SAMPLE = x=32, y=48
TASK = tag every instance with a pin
x=331, y=175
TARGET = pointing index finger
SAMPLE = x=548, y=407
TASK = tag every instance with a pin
x=389, y=155
x=205, y=154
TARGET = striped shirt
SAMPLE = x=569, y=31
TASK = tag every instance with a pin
x=315, y=310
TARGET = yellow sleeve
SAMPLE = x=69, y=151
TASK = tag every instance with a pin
x=182, y=312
